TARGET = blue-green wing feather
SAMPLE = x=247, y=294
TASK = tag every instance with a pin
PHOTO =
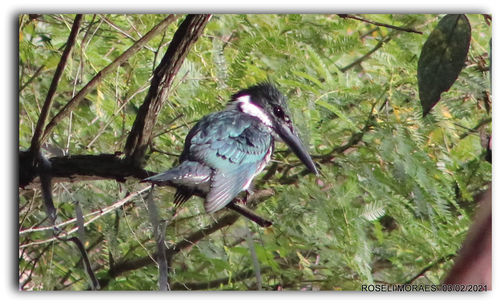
x=226, y=185
x=233, y=145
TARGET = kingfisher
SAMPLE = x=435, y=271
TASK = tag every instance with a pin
x=225, y=150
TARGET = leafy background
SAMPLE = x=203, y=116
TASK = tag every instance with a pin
x=397, y=190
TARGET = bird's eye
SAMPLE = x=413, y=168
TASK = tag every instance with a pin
x=278, y=111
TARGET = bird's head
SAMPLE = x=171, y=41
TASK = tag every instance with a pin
x=265, y=102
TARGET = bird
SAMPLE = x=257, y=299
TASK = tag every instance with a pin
x=225, y=150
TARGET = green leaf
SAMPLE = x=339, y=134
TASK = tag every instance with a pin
x=373, y=211
x=336, y=111
x=442, y=58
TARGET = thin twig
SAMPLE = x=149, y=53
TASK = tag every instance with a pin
x=86, y=261
x=249, y=214
x=98, y=214
x=380, y=24
x=153, y=149
x=35, y=261
x=103, y=128
x=65, y=277
x=474, y=129
x=37, y=138
x=427, y=268
x=35, y=75
x=124, y=33
x=159, y=236
x=186, y=124
x=157, y=51
x=365, y=56
x=168, y=124
x=355, y=137
x=253, y=254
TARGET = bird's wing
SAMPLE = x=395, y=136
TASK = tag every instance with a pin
x=233, y=145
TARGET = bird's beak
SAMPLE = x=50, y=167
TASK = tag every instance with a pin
x=294, y=142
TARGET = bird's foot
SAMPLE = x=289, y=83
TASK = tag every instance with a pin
x=244, y=200
x=240, y=200
x=248, y=194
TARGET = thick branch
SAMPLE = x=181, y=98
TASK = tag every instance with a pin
x=36, y=140
x=73, y=103
x=80, y=167
x=141, y=133
x=249, y=214
x=102, y=166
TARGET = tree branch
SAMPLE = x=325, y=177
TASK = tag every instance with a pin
x=483, y=122
x=249, y=214
x=380, y=43
x=73, y=103
x=365, y=56
x=427, y=268
x=95, y=216
x=37, y=136
x=81, y=167
x=141, y=133
x=104, y=166
x=35, y=75
x=404, y=29
x=355, y=137
x=159, y=236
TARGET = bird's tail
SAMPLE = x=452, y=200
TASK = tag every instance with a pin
x=162, y=178
x=187, y=173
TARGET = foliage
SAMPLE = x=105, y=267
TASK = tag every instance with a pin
x=396, y=192
x=442, y=58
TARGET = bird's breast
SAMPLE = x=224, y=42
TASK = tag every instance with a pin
x=262, y=165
